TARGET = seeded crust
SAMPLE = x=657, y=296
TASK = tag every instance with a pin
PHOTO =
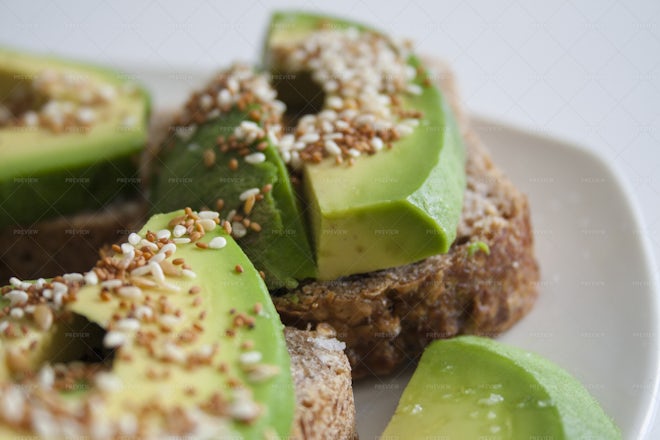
x=322, y=377
x=65, y=244
x=386, y=318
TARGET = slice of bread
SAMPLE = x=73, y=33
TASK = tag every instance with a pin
x=386, y=318
x=322, y=377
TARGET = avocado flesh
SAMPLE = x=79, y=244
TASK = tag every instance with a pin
x=281, y=249
x=474, y=387
x=45, y=174
x=225, y=293
x=392, y=208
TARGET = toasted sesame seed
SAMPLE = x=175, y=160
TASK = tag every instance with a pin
x=238, y=268
x=201, y=245
x=43, y=317
x=208, y=158
x=233, y=164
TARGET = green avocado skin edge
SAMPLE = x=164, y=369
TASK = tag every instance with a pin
x=476, y=387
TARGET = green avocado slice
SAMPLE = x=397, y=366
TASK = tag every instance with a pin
x=200, y=366
x=280, y=248
x=475, y=387
x=391, y=208
x=46, y=172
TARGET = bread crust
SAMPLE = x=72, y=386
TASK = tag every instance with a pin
x=386, y=318
x=322, y=378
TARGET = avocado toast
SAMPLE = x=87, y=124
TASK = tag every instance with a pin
x=428, y=247
x=174, y=334
x=70, y=139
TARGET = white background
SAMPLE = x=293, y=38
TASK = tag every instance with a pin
x=584, y=71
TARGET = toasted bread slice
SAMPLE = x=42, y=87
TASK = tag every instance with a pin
x=322, y=377
x=386, y=318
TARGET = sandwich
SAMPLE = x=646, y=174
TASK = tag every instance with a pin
x=346, y=170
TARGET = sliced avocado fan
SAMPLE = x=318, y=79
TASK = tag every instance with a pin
x=173, y=335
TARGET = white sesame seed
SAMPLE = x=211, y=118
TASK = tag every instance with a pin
x=140, y=271
x=255, y=158
x=238, y=230
x=12, y=403
x=30, y=118
x=414, y=89
x=252, y=192
x=335, y=102
x=332, y=148
x=86, y=115
x=58, y=298
x=224, y=99
x=207, y=224
x=173, y=353
x=167, y=247
x=47, y=293
x=106, y=381
x=73, y=277
x=40, y=283
x=112, y=284
x=114, y=339
x=46, y=376
x=128, y=325
x=169, y=286
x=59, y=287
x=205, y=101
x=354, y=153
x=16, y=297
x=15, y=282
x=130, y=292
x=377, y=143
x=163, y=234
x=143, y=313
x=178, y=231
x=134, y=239
x=182, y=240
x=218, y=243
x=250, y=357
x=157, y=258
x=127, y=249
x=152, y=246
x=157, y=272
x=309, y=138
x=168, y=321
x=188, y=273
x=208, y=215
x=3, y=326
x=17, y=313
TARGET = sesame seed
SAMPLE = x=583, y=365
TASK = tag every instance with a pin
x=238, y=230
x=157, y=258
x=130, y=292
x=128, y=325
x=238, y=268
x=178, y=231
x=188, y=273
x=212, y=215
x=134, y=239
x=248, y=193
x=182, y=240
x=157, y=272
x=218, y=243
x=140, y=271
x=43, y=316
x=17, y=313
x=163, y=234
x=207, y=224
x=114, y=339
x=73, y=277
x=16, y=297
x=168, y=248
x=255, y=158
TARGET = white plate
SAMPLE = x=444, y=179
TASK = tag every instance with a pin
x=597, y=314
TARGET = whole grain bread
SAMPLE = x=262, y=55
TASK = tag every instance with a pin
x=322, y=377
x=386, y=318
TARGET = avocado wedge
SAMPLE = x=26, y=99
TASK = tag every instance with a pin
x=223, y=153
x=69, y=134
x=173, y=335
x=385, y=181
x=475, y=387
